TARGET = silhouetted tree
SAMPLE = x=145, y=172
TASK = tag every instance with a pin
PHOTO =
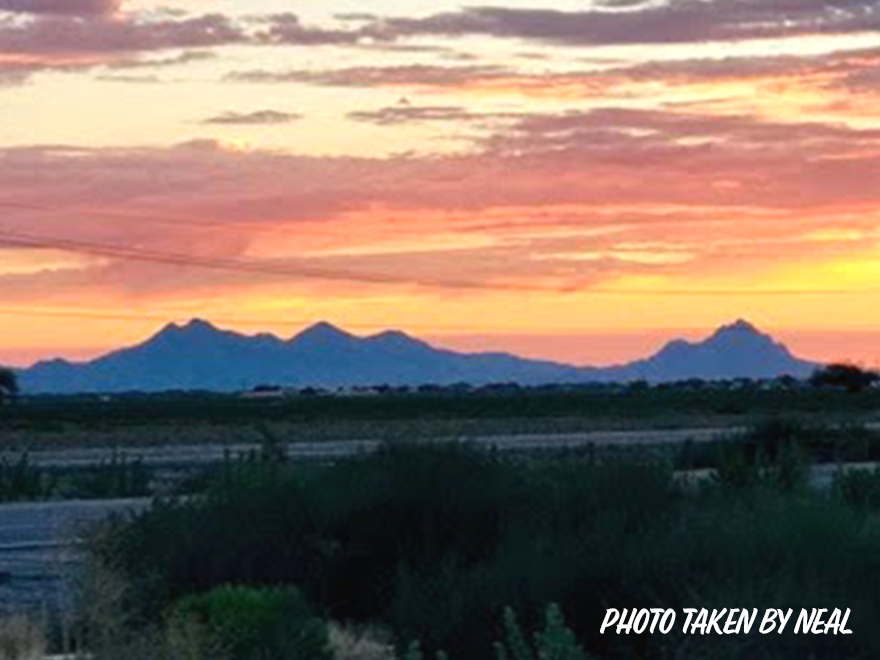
x=846, y=376
x=8, y=385
x=787, y=382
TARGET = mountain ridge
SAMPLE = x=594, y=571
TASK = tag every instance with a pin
x=200, y=356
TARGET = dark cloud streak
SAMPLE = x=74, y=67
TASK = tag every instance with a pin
x=679, y=21
x=427, y=75
x=255, y=118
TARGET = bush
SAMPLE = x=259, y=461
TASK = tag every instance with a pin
x=20, y=480
x=117, y=477
x=859, y=488
x=555, y=642
x=241, y=623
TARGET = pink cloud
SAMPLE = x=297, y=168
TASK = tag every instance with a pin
x=688, y=194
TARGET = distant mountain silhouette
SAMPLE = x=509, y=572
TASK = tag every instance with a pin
x=738, y=350
x=199, y=356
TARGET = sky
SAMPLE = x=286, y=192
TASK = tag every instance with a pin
x=571, y=179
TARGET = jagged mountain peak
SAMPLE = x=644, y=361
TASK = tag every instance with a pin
x=395, y=338
x=739, y=328
x=194, y=326
x=743, y=336
x=740, y=325
x=321, y=334
x=198, y=355
x=199, y=335
x=735, y=350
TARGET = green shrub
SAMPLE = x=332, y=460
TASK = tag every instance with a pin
x=859, y=488
x=771, y=454
x=21, y=480
x=736, y=468
x=555, y=642
x=117, y=477
x=241, y=623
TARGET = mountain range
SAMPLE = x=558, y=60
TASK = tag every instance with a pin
x=200, y=356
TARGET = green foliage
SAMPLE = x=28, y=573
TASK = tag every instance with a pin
x=20, y=480
x=859, y=488
x=735, y=468
x=672, y=404
x=555, y=642
x=414, y=652
x=115, y=478
x=778, y=453
x=515, y=643
x=433, y=542
x=770, y=454
x=241, y=623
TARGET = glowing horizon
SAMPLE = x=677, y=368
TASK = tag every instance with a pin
x=586, y=348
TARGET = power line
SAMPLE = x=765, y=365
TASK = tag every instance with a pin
x=21, y=239
x=139, y=254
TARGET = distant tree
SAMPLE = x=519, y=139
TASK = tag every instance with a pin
x=8, y=385
x=850, y=377
x=787, y=382
x=638, y=387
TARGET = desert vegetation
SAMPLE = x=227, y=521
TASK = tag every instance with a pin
x=8, y=385
x=446, y=551
x=434, y=544
x=21, y=480
x=402, y=414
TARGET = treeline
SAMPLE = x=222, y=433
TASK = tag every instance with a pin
x=833, y=394
x=433, y=543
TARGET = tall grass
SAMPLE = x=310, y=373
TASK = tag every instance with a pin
x=22, y=480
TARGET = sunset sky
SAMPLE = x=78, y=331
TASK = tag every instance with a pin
x=567, y=179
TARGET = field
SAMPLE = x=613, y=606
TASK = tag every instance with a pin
x=431, y=544
x=418, y=549
x=138, y=420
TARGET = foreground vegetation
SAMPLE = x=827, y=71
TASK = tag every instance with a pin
x=742, y=454
x=434, y=543
x=21, y=481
